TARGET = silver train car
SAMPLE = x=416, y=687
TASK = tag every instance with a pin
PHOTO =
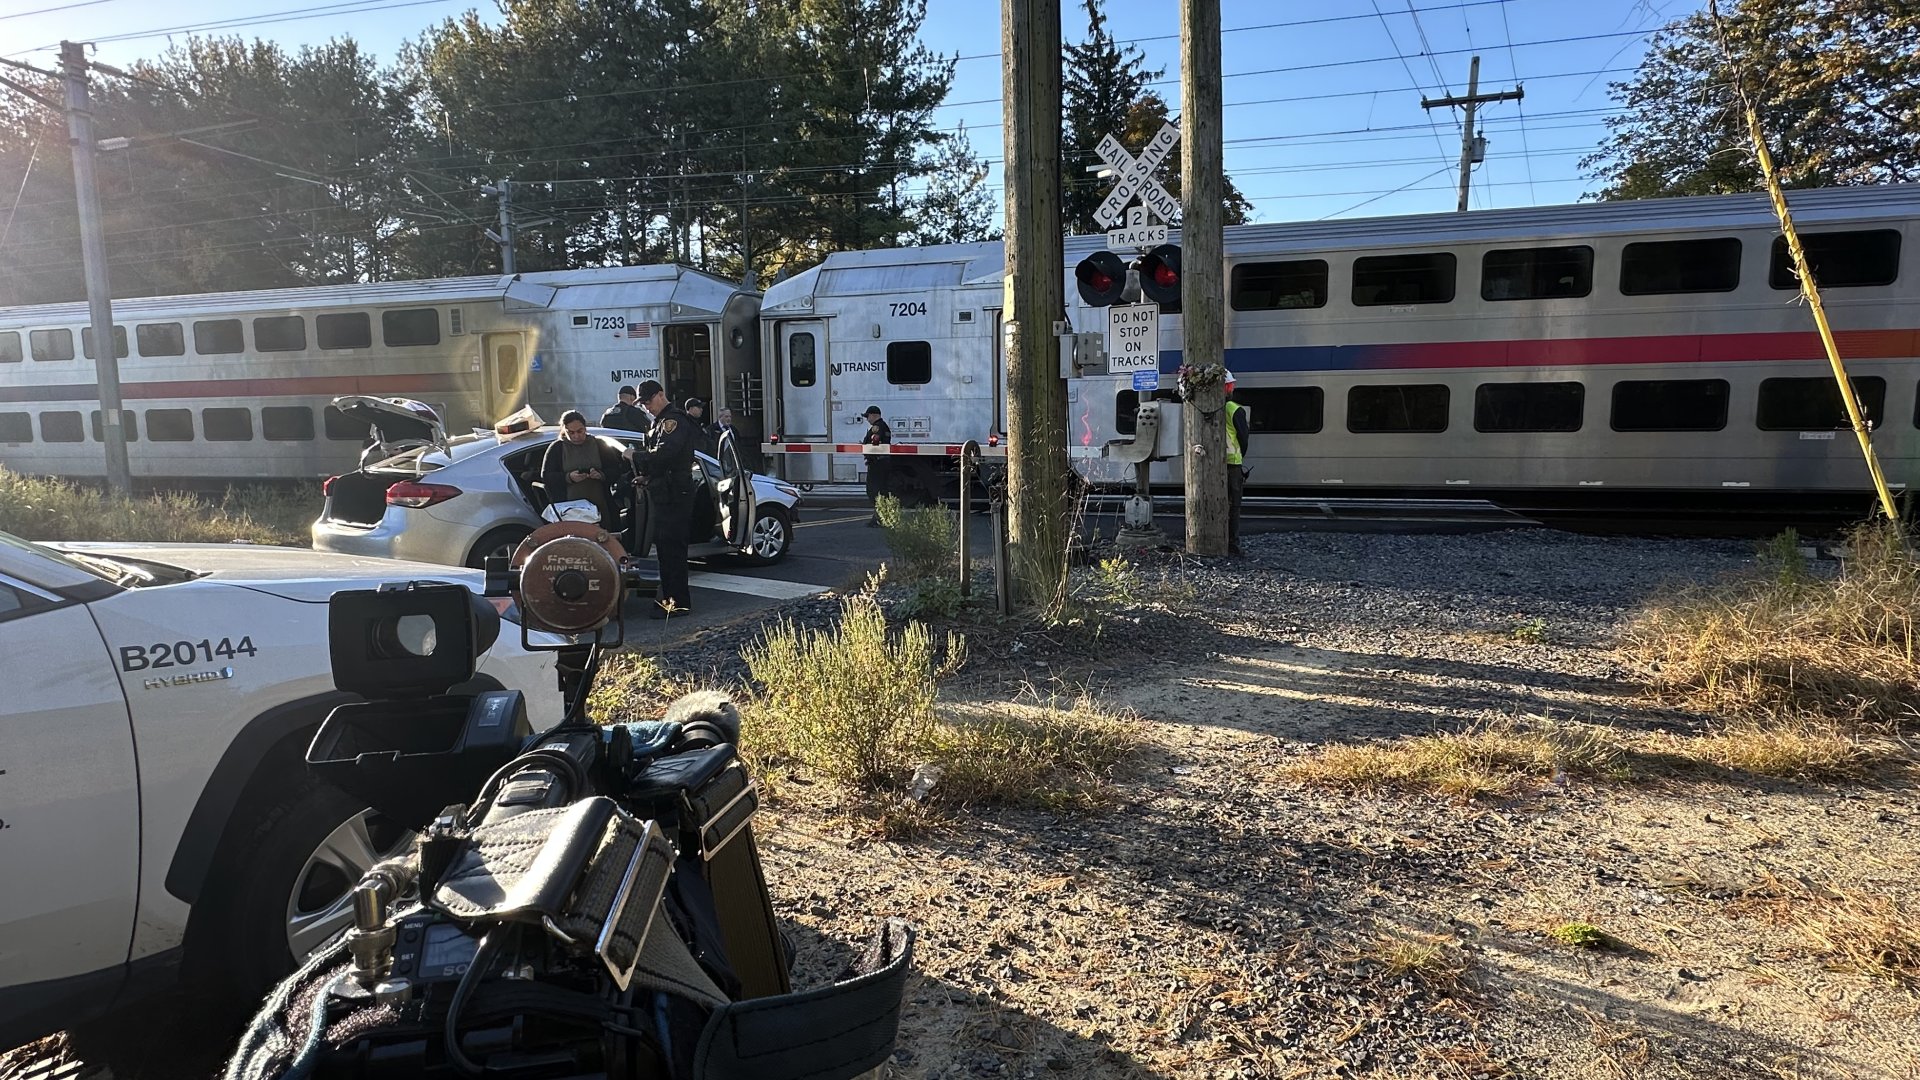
x=236, y=386
x=1647, y=353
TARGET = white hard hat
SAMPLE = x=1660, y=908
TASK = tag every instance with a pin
x=1229, y=378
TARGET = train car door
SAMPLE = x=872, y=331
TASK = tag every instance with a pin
x=803, y=380
x=505, y=374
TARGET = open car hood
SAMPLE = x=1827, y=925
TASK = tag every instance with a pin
x=400, y=426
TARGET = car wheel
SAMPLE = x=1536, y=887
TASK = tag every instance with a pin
x=772, y=536
x=501, y=541
x=288, y=887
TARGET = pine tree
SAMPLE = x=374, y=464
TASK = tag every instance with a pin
x=957, y=207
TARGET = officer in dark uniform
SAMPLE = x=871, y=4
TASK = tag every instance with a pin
x=665, y=465
x=625, y=414
x=879, y=469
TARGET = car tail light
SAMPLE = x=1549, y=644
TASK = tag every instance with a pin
x=326, y=486
x=410, y=494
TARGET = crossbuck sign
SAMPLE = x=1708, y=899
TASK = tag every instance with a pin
x=1133, y=179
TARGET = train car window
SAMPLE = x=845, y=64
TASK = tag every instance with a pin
x=1380, y=280
x=1270, y=286
x=1516, y=407
x=286, y=423
x=1815, y=405
x=340, y=428
x=51, y=344
x=802, y=367
x=410, y=326
x=1397, y=408
x=1125, y=404
x=353, y=330
x=1553, y=273
x=1292, y=410
x=119, y=341
x=161, y=339
x=1840, y=260
x=227, y=425
x=218, y=337
x=280, y=333
x=127, y=424
x=909, y=363
x=1657, y=267
x=169, y=425
x=10, y=347
x=61, y=427
x=1670, y=405
x=16, y=427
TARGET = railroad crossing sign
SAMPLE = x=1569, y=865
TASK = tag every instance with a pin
x=1133, y=178
x=1133, y=342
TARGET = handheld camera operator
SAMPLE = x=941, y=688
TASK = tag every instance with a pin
x=664, y=466
x=586, y=901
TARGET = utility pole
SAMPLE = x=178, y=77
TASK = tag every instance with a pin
x=505, y=236
x=1469, y=142
x=93, y=257
x=1037, y=464
x=1202, y=297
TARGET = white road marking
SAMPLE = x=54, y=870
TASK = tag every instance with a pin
x=766, y=588
x=833, y=521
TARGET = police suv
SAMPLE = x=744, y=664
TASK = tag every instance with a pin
x=156, y=816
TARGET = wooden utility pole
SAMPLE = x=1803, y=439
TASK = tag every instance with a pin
x=93, y=258
x=1202, y=297
x=1037, y=465
x=1468, y=140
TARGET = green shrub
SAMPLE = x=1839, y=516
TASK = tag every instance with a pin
x=854, y=702
x=924, y=539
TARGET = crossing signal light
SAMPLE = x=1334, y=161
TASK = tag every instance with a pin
x=1102, y=277
x=1160, y=276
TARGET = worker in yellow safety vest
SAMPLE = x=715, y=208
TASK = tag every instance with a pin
x=1238, y=425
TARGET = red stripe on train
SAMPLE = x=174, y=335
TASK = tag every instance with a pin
x=314, y=386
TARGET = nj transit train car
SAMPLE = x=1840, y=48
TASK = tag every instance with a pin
x=236, y=386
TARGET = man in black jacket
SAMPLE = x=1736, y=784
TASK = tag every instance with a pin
x=665, y=467
x=879, y=433
x=626, y=414
x=579, y=466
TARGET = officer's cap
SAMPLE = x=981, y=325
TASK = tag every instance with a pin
x=648, y=389
x=873, y=410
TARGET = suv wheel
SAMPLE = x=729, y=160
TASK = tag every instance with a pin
x=501, y=541
x=772, y=535
x=287, y=886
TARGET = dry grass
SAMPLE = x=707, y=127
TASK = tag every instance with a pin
x=1783, y=750
x=1786, y=643
x=1435, y=964
x=1852, y=931
x=1052, y=752
x=1499, y=760
x=41, y=508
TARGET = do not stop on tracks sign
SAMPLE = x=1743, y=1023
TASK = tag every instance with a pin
x=1133, y=338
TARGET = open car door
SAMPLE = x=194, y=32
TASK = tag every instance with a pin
x=733, y=495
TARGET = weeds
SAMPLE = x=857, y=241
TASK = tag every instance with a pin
x=1530, y=631
x=1435, y=965
x=924, y=539
x=1781, y=749
x=854, y=702
x=1584, y=935
x=1049, y=752
x=1872, y=935
x=1493, y=760
x=43, y=508
x=1786, y=644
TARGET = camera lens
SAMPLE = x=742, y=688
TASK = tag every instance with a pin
x=404, y=636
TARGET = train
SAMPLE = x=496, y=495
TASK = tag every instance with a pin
x=1651, y=353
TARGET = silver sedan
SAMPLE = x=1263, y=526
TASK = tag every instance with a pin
x=460, y=500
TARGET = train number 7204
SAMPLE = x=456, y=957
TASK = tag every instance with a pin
x=904, y=308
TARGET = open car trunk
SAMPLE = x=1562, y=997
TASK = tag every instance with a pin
x=358, y=498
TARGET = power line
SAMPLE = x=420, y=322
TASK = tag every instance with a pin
x=1411, y=77
x=1513, y=69
x=51, y=10
x=325, y=11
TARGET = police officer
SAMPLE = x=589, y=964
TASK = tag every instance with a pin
x=665, y=462
x=625, y=414
x=878, y=467
x=1238, y=426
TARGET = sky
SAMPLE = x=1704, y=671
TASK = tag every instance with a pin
x=1322, y=116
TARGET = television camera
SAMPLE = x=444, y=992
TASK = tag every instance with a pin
x=583, y=901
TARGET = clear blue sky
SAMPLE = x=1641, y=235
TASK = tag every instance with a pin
x=1323, y=112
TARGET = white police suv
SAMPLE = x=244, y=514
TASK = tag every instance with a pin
x=156, y=816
